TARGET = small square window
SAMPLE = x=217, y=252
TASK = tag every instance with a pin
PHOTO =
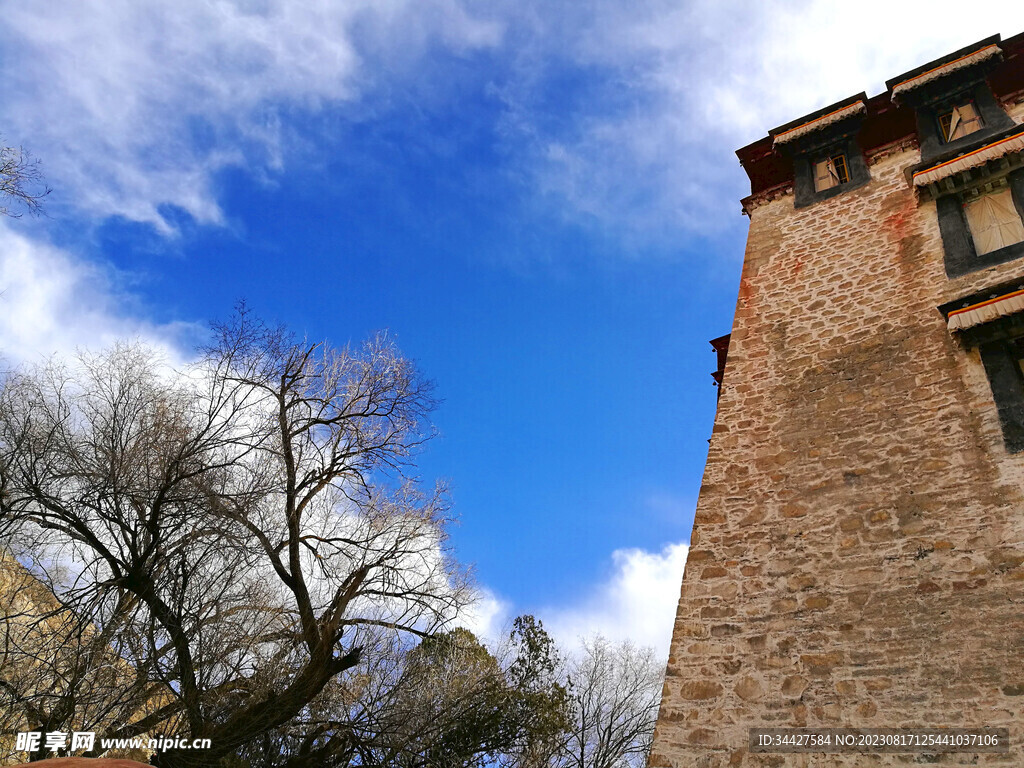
x=994, y=222
x=828, y=169
x=961, y=120
x=830, y=172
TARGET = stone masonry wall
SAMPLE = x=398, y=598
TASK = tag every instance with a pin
x=857, y=553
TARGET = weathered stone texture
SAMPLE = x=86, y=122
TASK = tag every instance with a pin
x=34, y=654
x=856, y=555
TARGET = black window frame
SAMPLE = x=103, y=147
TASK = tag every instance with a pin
x=841, y=169
x=959, y=253
x=995, y=342
x=940, y=115
x=1006, y=381
x=805, y=194
x=993, y=119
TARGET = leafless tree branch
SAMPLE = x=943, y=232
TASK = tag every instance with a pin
x=21, y=182
x=214, y=543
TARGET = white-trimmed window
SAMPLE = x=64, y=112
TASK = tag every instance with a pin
x=994, y=221
x=961, y=120
x=830, y=172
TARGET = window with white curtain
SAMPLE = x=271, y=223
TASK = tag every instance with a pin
x=994, y=222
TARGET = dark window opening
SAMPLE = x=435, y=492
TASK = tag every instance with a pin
x=959, y=121
x=828, y=169
x=1000, y=342
x=1016, y=347
x=1004, y=365
x=830, y=172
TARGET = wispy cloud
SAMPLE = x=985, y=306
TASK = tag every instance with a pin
x=137, y=106
x=622, y=117
x=683, y=85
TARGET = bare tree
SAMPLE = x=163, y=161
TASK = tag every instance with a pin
x=20, y=182
x=234, y=534
x=615, y=691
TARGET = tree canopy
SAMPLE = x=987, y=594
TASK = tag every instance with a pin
x=235, y=534
x=238, y=551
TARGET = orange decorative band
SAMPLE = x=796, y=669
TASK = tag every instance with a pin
x=941, y=71
x=985, y=311
x=973, y=159
x=820, y=122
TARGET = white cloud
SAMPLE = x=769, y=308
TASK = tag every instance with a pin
x=638, y=602
x=689, y=83
x=53, y=303
x=134, y=106
x=488, y=618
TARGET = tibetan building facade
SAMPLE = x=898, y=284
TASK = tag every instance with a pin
x=857, y=557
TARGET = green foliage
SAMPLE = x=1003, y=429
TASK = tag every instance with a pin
x=481, y=711
x=448, y=702
x=537, y=659
x=544, y=701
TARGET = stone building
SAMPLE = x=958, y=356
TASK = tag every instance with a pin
x=856, y=557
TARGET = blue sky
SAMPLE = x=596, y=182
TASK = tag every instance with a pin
x=539, y=199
